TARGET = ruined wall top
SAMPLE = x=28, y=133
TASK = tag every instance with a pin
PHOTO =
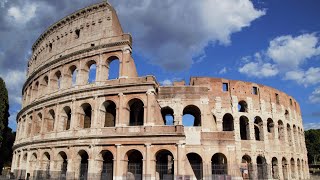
x=89, y=27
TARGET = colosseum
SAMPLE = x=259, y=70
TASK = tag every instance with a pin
x=78, y=122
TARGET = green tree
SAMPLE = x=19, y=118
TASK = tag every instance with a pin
x=4, y=109
x=313, y=145
x=6, y=135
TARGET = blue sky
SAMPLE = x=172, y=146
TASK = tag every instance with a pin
x=271, y=42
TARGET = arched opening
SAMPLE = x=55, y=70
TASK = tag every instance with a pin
x=62, y=165
x=270, y=128
x=281, y=131
x=286, y=115
x=44, y=85
x=29, y=126
x=244, y=128
x=242, y=106
x=246, y=167
x=23, y=166
x=85, y=116
x=275, y=168
x=37, y=125
x=196, y=164
x=167, y=115
x=289, y=135
x=30, y=94
x=258, y=128
x=191, y=116
x=92, y=71
x=66, y=118
x=109, y=114
x=50, y=120
x=219, y=164
x=73, y=75
x=56, y=81
x=295, y=137
x=299, y=169
x=107, y=166
x=164, y=165
x=136, y=112
x=285, y=168
x=292, y=165
x=83, y=173
x=262, y=168
x=32, y=165
x=113, y=66
x=134, y=165
x=45, y=173
x=36, y=90
x=227, y=122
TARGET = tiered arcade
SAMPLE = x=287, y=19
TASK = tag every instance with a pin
x=77, y=122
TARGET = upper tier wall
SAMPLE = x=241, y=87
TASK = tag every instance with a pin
x=272, y=99
x=94, y=25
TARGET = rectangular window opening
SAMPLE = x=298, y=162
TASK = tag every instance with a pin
x=77, y=33
x=291, y=102
x=255, y=90
x=277, y=98
x=225, y=87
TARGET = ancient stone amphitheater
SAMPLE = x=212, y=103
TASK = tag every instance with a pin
x=77, y=122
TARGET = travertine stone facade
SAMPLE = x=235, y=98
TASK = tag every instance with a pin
x=77, y=123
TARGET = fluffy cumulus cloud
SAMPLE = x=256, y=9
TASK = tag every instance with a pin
x=308, y=77
x=285, y=55
x=171, y=33
x=258, y=69
x=315, y=96
x=290, y=52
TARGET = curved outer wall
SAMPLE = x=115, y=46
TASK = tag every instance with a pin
x=71, y=126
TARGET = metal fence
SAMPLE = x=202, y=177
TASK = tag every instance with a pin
x=162, y=172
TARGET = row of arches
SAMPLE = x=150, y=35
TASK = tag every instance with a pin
x=48, y=167
x=290, y=169
x=73, y=75
x=84, y=118
x=285, y=133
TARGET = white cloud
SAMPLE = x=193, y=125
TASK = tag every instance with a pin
x=14, y=80
x=223, y=70
x=315, y=96
x=22, y=14
x=166, y=82
x=308, y=126
x=285, y=55
x=306, y=78
x=172, y=34
x=259, y=70
x=290, y=52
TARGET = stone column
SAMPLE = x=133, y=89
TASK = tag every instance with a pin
x=180, y=156
x=124, y=64
x=57, y=118
x=43, y=121
x=71, y=169
x=149, y=112
x=74, y=124
x=121, y=118
x=147, y=163
x=118, y=168
x=93, y=169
